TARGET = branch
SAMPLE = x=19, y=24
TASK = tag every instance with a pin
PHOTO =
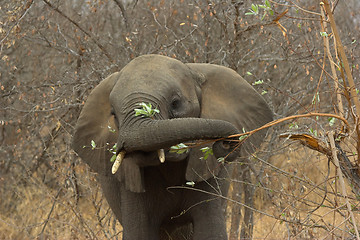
x=277, y=121
x=102, y=48
x=332, y=66
x=343, y=57
x=123, y=12
x=345, y=65
x=51, y=210
x=342, y=182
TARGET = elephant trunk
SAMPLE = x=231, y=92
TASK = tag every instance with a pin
x=151, y=135
x=154, y=135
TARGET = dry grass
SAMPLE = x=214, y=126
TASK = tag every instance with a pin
x=36, y=211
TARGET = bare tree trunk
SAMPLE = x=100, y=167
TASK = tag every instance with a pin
x=236, y=208
x=248, y=222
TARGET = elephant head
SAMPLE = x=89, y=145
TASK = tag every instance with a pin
x=195, y=101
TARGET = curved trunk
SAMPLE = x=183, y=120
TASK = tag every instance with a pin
x=151, y=135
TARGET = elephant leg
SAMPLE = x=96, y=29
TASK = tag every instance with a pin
x=207, y=212
x=131, y=210
x=209, y=221
x=176, y=232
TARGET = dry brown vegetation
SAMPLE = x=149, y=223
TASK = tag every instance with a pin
x=52, y=53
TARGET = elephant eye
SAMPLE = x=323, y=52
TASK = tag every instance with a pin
x=115, y=118
x=175, y=104
x=113, y=113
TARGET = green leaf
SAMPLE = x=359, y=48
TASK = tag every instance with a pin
x=293, y=125
x=191, y=183
x=139, y=112
x=112, y=159
x=113, y=149
x=331, y=121
x=262, y=6
x=267, y=3
x=93, y=144
x=255, y=8
x=241, y=138
x=258, y=82
x=249, y=73
x=205, y=149
x=207, y=152
x=316, y=98
x=324, y=34
x=263, y=16
x=221, y=159
x=179, y=149
x=146, y=110
x=314, y=132
x=263, y=92
x=250, y=13
x=111, y=129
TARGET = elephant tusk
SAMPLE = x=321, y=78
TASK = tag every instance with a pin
x=117, y=162
x=161, y=155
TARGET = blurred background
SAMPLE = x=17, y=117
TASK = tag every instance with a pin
x=53, y=53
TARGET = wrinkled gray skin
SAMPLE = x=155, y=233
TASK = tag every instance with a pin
x=196, y=101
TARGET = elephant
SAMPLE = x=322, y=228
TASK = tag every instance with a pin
x=154, y=192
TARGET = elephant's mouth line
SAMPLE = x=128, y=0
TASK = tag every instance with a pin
x=160, y=153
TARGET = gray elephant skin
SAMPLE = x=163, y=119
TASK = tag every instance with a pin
x=196, y=102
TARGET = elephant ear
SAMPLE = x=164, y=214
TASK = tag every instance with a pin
x=227, y=96
x=95, y=131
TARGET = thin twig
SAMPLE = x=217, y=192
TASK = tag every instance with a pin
x=242, y=204
x=51, y=210
x=332, y=65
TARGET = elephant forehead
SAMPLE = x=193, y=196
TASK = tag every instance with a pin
x=150, y=83
x=152, y=75
x=149, y=66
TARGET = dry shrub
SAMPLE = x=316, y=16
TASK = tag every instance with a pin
x=54, y=52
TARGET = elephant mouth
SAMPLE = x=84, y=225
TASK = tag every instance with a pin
x=121, y=155
x=160, y=156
